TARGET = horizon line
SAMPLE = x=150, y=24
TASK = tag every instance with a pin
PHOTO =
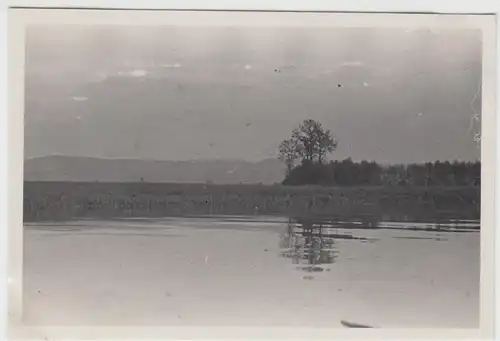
x=236, y=159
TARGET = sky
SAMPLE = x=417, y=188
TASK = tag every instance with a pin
x=184, y=93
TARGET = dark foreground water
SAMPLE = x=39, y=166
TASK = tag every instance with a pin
x=247, y=271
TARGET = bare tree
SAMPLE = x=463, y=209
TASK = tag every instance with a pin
x=311, y=142
x=288, y=154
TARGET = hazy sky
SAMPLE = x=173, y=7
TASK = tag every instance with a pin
x=173, y=93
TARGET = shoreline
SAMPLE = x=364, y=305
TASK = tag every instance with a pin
x=67, y=200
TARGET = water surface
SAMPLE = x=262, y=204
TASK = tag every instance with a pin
x=246, y=271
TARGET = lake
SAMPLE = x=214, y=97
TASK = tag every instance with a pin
x=251, y=271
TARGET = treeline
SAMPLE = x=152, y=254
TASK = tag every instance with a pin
x=349, y=173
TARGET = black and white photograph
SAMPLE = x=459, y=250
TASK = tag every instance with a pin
x=280, y=174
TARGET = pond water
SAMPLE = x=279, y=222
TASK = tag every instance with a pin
x=251, y=271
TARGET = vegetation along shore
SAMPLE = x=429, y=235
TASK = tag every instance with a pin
x=70, y=200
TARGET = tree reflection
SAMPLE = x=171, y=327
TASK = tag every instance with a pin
x=307, y=245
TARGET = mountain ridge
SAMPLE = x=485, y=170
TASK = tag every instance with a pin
x=58, y=167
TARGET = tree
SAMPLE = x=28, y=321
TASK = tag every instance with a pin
x=288, y=154
x=310, y=142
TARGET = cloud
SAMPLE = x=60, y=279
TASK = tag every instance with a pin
x=352, y=63
x=133, y=73
x=338, y=67
x=138, y=73
x=174, y=66
x=242, y=66
x=79, y=98
x=99, y=77
x=231, y=171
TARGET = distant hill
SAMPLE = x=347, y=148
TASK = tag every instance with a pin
x=69, y=168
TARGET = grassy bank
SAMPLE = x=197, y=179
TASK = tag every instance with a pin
x=69, y=200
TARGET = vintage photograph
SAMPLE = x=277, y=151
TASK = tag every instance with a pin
x=280, y=175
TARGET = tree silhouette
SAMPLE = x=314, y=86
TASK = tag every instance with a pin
x=310, y=143
x=304, y=154
x=288, y=154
